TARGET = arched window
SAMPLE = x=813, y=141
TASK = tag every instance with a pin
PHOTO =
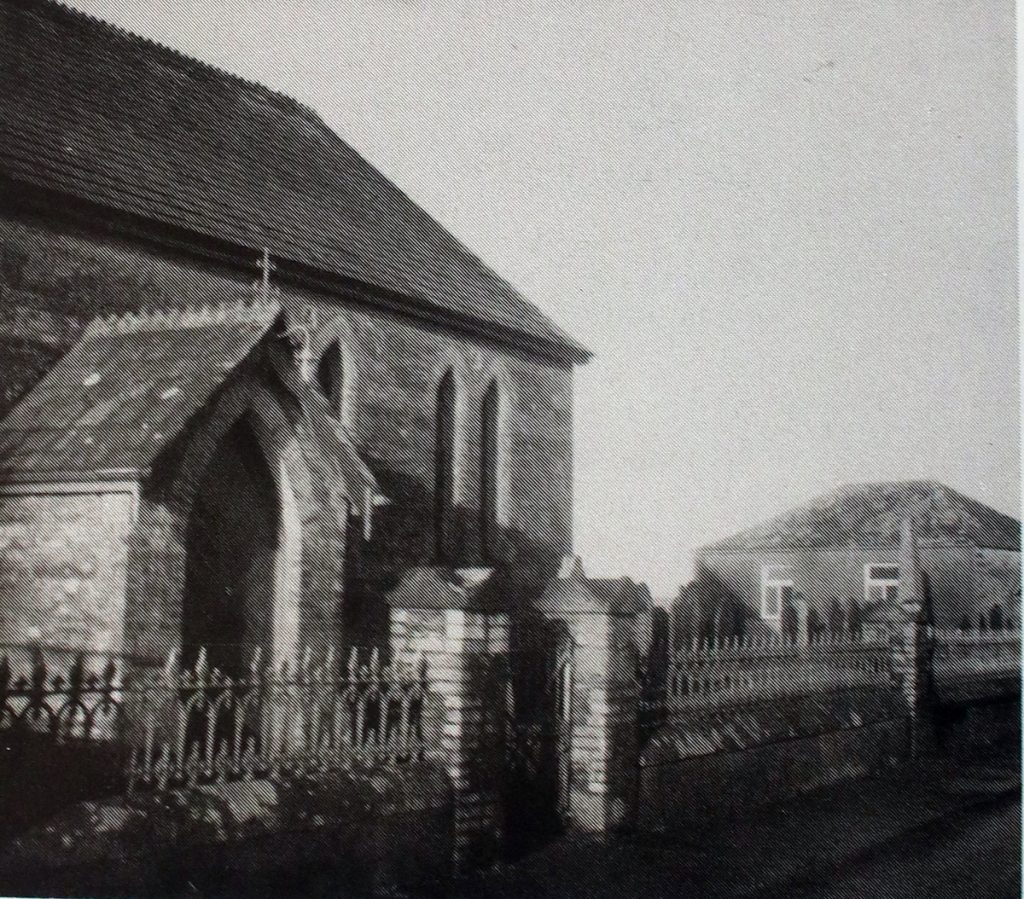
x=444, y=469
x=995, y=617
x=330, y=376
x=489, y=473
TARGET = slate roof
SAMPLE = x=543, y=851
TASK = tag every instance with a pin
x=332, y=442
x=127, y=387
x=870, y=515
x=105, y=116
x=131, y=384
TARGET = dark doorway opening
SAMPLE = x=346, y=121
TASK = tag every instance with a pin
x=232, y=541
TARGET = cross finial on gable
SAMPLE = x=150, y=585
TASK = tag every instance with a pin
x=266, y=267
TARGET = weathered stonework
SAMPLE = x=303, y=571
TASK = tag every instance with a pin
x=683, y=791
x=63, y=565
x=604, y=700
x=54, y=278
x=458, y=641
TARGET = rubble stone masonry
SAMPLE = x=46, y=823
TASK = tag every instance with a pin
x=54, y=277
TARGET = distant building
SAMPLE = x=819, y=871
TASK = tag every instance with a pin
x=840, y=552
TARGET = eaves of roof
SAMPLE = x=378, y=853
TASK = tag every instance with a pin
x=25, y=198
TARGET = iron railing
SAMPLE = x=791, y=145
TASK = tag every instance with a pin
x=182, y=726
x=79, y=704
x=735, y=671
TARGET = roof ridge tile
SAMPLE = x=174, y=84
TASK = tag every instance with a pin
x=165, y=318
x=189, y=64
x=122, y=122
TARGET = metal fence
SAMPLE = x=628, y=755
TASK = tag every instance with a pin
x=74, y=705
x=181, y=726
x=200, y=725
x=714, y=675
x=734, y=670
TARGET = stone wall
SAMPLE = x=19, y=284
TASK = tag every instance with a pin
x=358, y=834
x=53, y=279
x=694, y=770
x=62, y=568
x=979, y=727
x=464, y=718
x=602, y=745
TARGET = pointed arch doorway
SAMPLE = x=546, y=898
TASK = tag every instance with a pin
x=242, y=555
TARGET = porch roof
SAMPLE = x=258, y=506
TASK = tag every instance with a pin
x=125, y=389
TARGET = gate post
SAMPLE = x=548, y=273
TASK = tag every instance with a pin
x=450, y=618
x=606, y=619
x=912, y=644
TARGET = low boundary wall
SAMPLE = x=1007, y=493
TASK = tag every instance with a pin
x=410, y=762
x=977, y=727
x=691, y=771
x=342, y=834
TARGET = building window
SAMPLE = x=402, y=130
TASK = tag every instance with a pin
x=881, y=584
x=444, y=468
x=776, y=590
x=489, y=462
x=330, y=376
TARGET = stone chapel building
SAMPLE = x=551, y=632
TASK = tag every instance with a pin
x=246, y=381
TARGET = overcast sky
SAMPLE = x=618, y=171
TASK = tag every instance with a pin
x=787, y=229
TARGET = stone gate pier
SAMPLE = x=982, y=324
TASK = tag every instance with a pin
x=609, y=623
x=449, y=619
